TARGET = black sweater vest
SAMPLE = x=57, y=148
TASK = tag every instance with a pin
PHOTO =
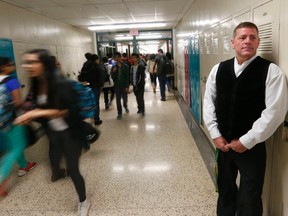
x=240, y=100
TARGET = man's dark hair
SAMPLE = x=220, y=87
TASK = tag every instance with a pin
x=105, y=59
x=168, y=55
x=117, y=54
x=160, y=50
x=109, y=55
x=88, y=55
x=94, y=57
x=152, y=56
x=245, y=25
x=135, y=54
x=124, y=55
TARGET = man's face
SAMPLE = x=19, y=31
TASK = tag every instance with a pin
x=135, y=60
x=245, y=43
x=117, y=58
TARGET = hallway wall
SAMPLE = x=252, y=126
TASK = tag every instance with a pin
x=29, y=30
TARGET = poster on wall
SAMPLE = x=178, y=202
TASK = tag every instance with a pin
x=6, y=50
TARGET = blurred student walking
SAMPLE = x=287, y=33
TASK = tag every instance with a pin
x=13, y=139
x=57, y=111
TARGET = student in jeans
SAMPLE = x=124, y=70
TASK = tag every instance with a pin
x=108, y=85
x=13, y=138
x=120, y=76
x=153, y=75
x=58, y=112
x=137, y=77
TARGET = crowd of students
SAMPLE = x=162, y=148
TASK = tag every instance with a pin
x=123, y=72
x=53, y=104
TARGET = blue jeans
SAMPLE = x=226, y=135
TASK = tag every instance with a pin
x=121, y=92
x=97, y=92
x=13, y=143
x=169, y=82
x=162, y=83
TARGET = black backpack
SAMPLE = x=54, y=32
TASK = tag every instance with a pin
x=103, y=73
x=168, y=66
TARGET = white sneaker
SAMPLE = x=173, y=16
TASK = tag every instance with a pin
x=83, y=208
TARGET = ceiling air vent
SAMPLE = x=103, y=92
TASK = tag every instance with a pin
x=265, y=34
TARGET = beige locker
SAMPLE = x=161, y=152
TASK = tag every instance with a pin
x=266, y=16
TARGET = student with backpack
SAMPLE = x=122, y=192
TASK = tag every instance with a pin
x=86, y=104
x=161, y=73
x=96, y=78
x=108, y=85
x=153, y=75
x=57, y=111
x=137, y=79
x=13, y=138
x=83, y=73
x=169, y=68
x=120, y=75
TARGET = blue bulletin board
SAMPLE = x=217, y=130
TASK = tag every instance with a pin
x=6, y=49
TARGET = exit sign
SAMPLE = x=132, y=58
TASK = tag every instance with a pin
x=133, y=32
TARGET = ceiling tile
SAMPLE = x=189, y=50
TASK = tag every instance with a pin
x=88, y=11
x=141, y=8
x=167, y=7
x=35, y=3
x=105, y=1
x=70, y=2
x=83, y=13
x=115, y=10
x=59, y=12
x=80, y=21
x=125, y=19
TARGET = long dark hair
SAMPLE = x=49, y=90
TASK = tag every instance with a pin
x=50, y=74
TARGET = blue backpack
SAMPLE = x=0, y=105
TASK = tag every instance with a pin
x=6, y=107
x=86, y=99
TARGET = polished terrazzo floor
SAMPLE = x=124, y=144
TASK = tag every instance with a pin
x=144, y=166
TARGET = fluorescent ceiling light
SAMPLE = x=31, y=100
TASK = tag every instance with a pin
x=148, y=42
x=148, y=36
x=138, y=37
x=125, y=26
x=124, y=38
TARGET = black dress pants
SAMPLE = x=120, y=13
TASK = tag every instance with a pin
x=245, y=200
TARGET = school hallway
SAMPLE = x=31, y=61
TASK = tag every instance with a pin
x=144, y=166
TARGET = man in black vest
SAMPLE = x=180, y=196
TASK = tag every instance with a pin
x=244, y=103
